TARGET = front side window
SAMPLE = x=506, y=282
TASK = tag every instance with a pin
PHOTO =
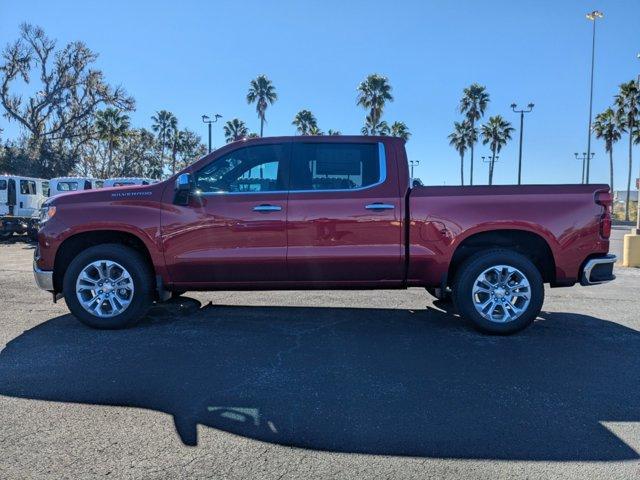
x=45, y=189
x=259, y=168
x=27, y=187
x=67, y=186
x=334, y=166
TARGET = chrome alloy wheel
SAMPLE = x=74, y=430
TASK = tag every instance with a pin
x=104, y=288
x=501, y=293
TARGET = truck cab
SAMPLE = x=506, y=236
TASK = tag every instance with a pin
x=20, y=202
x=60, y=185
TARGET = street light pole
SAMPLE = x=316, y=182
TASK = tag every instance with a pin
x=521, y=112
x=208, y=121
x=584, y=163
x=413, y=163
x=491, y=160
x=593, y=16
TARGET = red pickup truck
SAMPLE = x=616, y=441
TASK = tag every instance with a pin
x=332, y=212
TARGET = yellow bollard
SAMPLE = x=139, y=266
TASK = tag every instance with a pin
x=631, y=250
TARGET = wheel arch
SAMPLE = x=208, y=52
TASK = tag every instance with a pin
x=77, y=242
x=530, y=244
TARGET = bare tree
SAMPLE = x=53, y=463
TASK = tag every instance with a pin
x=70, y=91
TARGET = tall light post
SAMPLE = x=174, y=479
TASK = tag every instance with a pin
x=521, y=112
x=491, y=160
x=413, y=163
x=592, y=16
x=208, y=121
x=584, y=158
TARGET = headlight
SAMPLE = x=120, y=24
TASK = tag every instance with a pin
x=46, y=213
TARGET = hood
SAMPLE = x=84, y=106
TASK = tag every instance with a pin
x=109, y=194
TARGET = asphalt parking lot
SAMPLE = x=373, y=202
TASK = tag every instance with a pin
x=300, y=385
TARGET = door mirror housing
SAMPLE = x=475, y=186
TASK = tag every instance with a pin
x=182, y=189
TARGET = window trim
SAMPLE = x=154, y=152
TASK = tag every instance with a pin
x=382, y=158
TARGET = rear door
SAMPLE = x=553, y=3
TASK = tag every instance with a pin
x=344, y=214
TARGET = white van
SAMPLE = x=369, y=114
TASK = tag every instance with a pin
x=73, y=184
x=20, y=202
x=123, y=181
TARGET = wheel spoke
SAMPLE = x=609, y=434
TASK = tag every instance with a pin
x=501, y=293
x=104, y=288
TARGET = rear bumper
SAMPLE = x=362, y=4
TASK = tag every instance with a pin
x=598, y=270
x=44, y=278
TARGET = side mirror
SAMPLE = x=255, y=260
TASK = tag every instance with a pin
x=183, y=189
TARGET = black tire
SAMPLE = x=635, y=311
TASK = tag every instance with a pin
x=473, y=267
x=141, y=276
x=5, y=235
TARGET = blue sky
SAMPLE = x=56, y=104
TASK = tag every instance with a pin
x=198, y=57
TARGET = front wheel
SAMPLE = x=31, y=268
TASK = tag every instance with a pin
x=500, y=291
x=108, y=286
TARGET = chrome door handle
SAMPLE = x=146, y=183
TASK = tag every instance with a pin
x=267, y=208
x=380, y=206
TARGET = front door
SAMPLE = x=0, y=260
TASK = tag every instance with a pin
x=344, y=223
x=234, y=229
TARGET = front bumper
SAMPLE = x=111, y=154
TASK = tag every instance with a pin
x=598, y=270
x=44, y=278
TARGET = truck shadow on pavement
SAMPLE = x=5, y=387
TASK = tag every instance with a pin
x=374, y=381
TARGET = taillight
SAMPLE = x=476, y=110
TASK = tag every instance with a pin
x=604, y=199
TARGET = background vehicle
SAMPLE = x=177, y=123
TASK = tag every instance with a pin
x=20, y=202
x=321, y=213
x=72, y=184
x=126, y=181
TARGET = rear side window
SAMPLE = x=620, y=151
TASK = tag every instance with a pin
x=67, y=186
x=27, y=187
x=260, y=168
x=335, y=166
x=3, y=184
x=45, y=189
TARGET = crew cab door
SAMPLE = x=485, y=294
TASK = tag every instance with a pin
x=344, y=215
x=233, y=230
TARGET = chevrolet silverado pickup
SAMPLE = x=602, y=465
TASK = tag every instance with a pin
x=332, y=212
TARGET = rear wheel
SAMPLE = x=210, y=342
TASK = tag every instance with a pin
x=108, y=286
x=500, y=291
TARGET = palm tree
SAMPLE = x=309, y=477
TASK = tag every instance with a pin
x=627, y=103
x=333, y=132
x=496, y=132
x=111, y=125
x=165, y=124
x=607, y=127
x=473, y=105
x=304, y=121
x=373, y=94
x=235, y=130
x=262, y=93
x=375, y=128
x=253, y=135
x=315, y=130
x=462, y=137
x=400, y=129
